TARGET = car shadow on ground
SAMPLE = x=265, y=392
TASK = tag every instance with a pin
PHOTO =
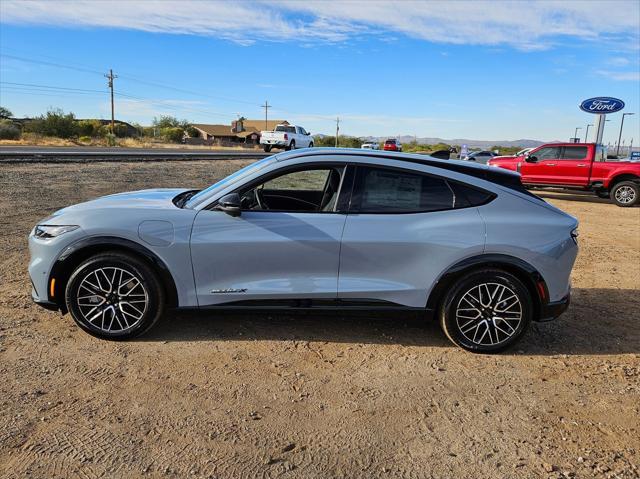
x=598, y=322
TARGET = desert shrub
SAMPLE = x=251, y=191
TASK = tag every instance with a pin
x=9, y=131
x=84, y=139
x=88, y=128
x=343, y=141
x=54, y=123
x=173, y=134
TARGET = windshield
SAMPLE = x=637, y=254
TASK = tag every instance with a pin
x=232, y=178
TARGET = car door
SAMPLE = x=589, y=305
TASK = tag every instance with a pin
x=284, y=245
x=404, y=228
x=573, y=165
x=303, y=137
x=540, y=166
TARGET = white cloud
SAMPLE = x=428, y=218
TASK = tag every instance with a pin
x=620, y=76
x=527, y=26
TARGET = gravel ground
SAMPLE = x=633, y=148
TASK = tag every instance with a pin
x=232, y=395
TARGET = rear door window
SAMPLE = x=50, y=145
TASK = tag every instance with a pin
x=574, y=153
x=381, y=190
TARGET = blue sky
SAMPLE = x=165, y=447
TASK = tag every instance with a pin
x=481, y=70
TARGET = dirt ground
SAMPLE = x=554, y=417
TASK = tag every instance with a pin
x=249, y=396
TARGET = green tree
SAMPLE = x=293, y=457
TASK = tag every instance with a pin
x=5, y=112
x=192, y=132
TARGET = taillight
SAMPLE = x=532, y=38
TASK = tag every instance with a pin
x=286, y=137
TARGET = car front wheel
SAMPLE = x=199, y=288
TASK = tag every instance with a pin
x=486, y=311
x=625, y=193
x=114, y=296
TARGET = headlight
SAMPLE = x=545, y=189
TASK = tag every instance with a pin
x=51, y=231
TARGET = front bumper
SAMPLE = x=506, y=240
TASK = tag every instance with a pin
x=553, y=309
x=46, y=304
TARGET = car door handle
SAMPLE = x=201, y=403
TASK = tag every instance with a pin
x=550, y=164
x=581, y=165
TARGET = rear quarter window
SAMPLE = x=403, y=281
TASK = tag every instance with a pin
x=466, y=195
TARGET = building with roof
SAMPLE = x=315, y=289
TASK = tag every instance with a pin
x=240, y=131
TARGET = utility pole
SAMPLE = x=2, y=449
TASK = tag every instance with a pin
x=266, y=107
x=575, y=135
x=337, y=130
x=111, y=77
x=620, y=135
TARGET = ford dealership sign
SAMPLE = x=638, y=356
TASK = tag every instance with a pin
x=602, y=105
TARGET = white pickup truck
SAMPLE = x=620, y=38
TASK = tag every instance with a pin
x=288, y=137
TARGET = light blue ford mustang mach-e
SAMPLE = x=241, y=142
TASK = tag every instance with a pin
x=320, y=229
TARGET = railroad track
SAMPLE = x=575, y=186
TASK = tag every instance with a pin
x=91, y=155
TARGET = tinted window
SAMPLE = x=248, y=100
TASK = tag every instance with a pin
x=390, y=142
x=547, y=153
x=468, y=195
x=574, y=152
x=391, y=191
x=291, y=129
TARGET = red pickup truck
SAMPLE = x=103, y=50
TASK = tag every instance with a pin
x=581, y=166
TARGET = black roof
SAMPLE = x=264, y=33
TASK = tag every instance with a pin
x=500, y=176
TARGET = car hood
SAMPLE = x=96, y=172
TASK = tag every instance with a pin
x=503, y=157
x=155, y=198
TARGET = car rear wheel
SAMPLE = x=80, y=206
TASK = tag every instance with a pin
x=267, y=148
x=625, y=193
x=486, y=311
x=114, y=296
x=292, y=145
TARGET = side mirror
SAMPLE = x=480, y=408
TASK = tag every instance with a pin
x=308, y=133
x=531, y=159
x=230, y=204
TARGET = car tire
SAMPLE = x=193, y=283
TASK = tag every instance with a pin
x=292, y=146
x=311, y=145
x=114, y=296
x=476, y=315
x=625, y=194
x=604, y=194
x=267, y=148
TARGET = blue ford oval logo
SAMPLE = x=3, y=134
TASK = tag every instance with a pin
x=602, y=105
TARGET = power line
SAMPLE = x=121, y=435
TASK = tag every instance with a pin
x=43, y=62
x=50, y=87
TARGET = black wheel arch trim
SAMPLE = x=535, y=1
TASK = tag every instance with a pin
x=531, y=277
x=86, y=247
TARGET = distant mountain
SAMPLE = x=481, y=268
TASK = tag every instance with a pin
x=462, y=141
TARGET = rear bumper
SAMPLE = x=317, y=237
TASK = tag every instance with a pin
x=553, y=309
